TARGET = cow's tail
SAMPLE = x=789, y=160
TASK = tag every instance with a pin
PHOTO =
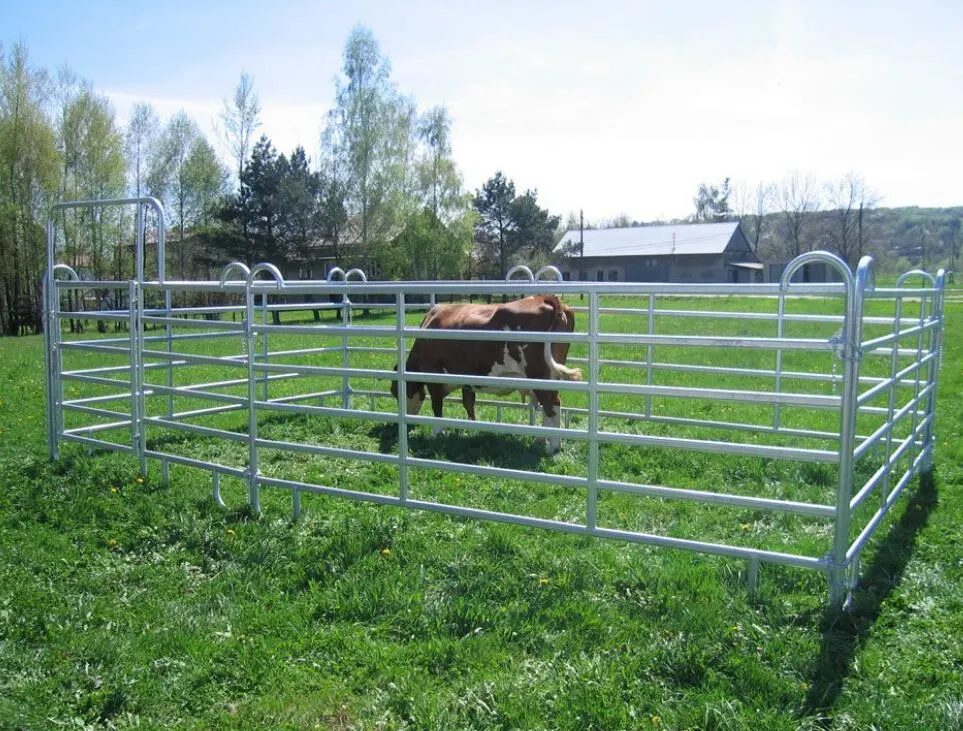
x=560, y=372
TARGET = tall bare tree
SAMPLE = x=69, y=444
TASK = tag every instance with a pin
x=241, y=117
x=140, y=143
x=799, y=199
x=29, y=174
x=850, y=199
x=751, y=206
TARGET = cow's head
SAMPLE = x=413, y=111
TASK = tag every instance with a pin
x=415, y=395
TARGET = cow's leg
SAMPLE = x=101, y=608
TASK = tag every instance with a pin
x=552, y=409
x=468, y=401
x=437, y=391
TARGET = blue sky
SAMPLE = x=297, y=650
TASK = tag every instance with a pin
x=614, y=107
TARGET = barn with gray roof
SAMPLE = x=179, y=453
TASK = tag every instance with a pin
x=693, y=252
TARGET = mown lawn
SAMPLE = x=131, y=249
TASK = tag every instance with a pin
x=125, y=602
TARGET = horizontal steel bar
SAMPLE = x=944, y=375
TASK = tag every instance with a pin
x=240, y=472
x=196, y=392
x=717, y=447
x=715, y=370
x=870, y=485
x=93, y=411
x=305, y=396
x=313, y=351
x=719, y=394
x=105, y=315
x=91, y=284
x=204, y=431
x=895, y=293
x=708, y=341
x=94, y=428
x=445, y=288
x=98, y=443
x=110, y=369
x=505, y=473
x=729, y=500
x=870, y=528
x=500, y=383
x=207, y=310
x=380, y=331
x=896, y=380
x=360, y=414
x=735, y=425
x=324, y=451
x=112, y=382
x=183, y=322
x=192, y=358
x=372, y=349
x=496, y=427
x=96, y=347
x=557, y=525
x=895, y=337
x=87, y=400
x=177, y=337
x=206, y=411
x=898, y=416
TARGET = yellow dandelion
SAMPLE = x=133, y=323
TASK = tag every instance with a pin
x=543, y=582
x=230, y=531
x=656, y=720
x=113, y=489
x=139, y=480
x=111, y=543
x=386, y=551
x=746, y=527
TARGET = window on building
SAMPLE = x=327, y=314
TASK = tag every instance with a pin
x=613, y=275
x=566, y=276
x=600, y=275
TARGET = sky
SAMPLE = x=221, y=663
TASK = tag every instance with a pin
x=608, y=107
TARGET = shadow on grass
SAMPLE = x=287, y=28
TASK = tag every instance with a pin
x=844, y=631
x=499, y=450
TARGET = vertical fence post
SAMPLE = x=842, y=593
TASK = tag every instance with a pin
x=345, y=353
x=650, y=354
x=918, y=446
x=891, y=398
x=250, y=335
x=593, y=415
x=265, y=349
x=45, y=287
x=137, y=406
x=402, y=400
x=933, y=373
x=839, y=574
x=780, y=334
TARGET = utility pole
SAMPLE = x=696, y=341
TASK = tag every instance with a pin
x=581, y=249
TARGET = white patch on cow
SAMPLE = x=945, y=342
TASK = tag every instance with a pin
x=415, y=403
x=553, y=422
x=508, y=368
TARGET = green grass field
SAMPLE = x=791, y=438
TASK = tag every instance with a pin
x=124, y=602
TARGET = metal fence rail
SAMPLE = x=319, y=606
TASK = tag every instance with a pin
x=877, y=387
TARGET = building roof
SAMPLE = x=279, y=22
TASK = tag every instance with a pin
x=681, y=239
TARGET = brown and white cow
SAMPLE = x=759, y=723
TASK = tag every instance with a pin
x=540, y=313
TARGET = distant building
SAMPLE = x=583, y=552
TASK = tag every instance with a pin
x=694, y=252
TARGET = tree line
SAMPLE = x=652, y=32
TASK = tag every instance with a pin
x=384, y=194
x=797, y=214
